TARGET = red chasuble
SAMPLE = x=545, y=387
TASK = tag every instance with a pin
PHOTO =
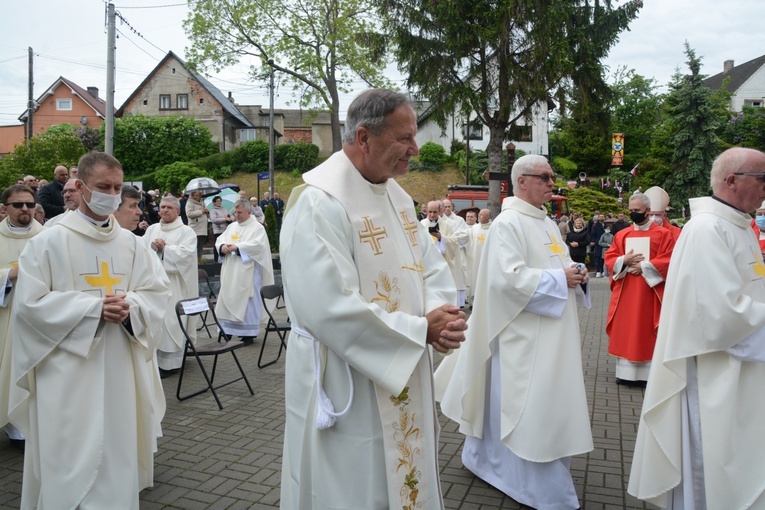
x=757, y=235
x=633, y=316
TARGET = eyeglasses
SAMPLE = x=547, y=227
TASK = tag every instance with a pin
x=542, y=177
x=19, y=205
x=760, y=175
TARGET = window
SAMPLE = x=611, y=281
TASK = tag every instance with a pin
x=201, y=100
x=757, y=103
x=519, y=133
x=63, y=104
x=247, y=135
x=476, y=130
x=164, y=101
x=182, y=101
x=145, y=102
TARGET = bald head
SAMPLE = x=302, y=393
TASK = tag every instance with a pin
x=61, y=174
x=484, y=216
x=738, y=177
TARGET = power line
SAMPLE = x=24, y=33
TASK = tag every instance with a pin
x=136, y=32
x=156, y=6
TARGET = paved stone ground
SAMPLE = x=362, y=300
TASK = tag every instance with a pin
x=231, y=459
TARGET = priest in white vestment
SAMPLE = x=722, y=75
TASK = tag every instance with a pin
x=516, y=388
x=87, y=312
x=247, y=266
x=71, y=202
x=442, y=234
x=479, y=233
x=16, y=229
x=700, y=442
x=461, y=237
x=176, y=246
x=367, y=293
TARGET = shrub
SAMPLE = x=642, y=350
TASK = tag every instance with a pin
x=455, y=147
x=272, y=230
x=175, y=176
x=587, y=200
x=432, y=154
x=298, y=156
x=568, y=168
x=252, y=157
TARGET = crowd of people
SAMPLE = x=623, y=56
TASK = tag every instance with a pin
x=89, y=330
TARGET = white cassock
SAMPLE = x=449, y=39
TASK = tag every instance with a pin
x=461, y=235
x=326, y=246
x=12, y=242
x=87, y=394
x=56, y=219
x=448, y=247
x=179, y=260
x=516, y=387
x=242, y=275
x=478, y=235
x=700, y=442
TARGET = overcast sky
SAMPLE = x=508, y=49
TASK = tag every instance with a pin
x=69, y=39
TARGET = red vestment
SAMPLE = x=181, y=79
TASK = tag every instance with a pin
x=757, y=235
x=633, y=316
x=675, y=231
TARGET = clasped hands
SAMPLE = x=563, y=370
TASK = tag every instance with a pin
x=632, y=260
x=446, y=328
x=116, y=309
x=576, y=276
x=158, y=245
x=225, y=249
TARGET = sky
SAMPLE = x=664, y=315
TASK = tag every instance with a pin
x=68, y=38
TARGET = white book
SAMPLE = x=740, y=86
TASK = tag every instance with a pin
x=641, y=245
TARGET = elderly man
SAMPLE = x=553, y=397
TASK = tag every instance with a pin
x=73, y=171
x=462, y=238
x=638, y=260
x=516, y=388
x=176, y=246
x=700, y=441
x=71, y=202
x=479, y=233
x=32, y=182
x=247, y=266
x=87, y=311
x=384, y=296
x=659, y=203
x=51, y=196
x=278, y=204
x=15, y=230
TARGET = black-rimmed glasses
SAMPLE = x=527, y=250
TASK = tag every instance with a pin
x=759, y=175
x=542, y=177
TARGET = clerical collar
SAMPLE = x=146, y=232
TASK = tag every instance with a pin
x=93, y=221
x=19, y=230
x=643, y=227
x=729, y=205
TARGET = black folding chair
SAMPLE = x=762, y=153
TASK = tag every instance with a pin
x=268, y=292
x=203, y=277
x=198, y=306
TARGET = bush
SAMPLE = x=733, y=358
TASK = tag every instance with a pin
x=455, y=147
x=59, y=145
x=252, y=157
x=175, y=176
x=298, y=156
x=587, y=200
x=564, y=166
x=272, y=230
x=432, y=154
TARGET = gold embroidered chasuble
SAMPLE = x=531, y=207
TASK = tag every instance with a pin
x=391, y=275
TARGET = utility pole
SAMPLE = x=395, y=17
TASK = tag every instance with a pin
x=31, y=100
x=271, y=133
x=110, y=71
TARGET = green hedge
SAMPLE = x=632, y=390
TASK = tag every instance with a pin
x=296, y=156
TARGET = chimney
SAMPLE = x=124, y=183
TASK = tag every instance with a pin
x=231, y=97
x=93, y=91
x=727, y=65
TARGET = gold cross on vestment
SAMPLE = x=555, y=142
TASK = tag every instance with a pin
x=15, y=265
x=481, y=238
x=103, y=280
x=235, y=237
x=757, y=265
x=370, y=235
x=555, y=248
x=410, y=228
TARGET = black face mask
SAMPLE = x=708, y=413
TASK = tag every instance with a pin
x=638, y=217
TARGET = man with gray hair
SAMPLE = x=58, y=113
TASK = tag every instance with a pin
x=516, y=388
x=700, y=442
x=377, y=295
x=71, y=202
x=247, y=266
x=176, y=246
x=638, y=260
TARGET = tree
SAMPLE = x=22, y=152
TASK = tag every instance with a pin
x=695, y=115
x=38, y=156
x=501, y=58
x=175, y=176
x=746, y=129
x=319, y=48
x=143, y=144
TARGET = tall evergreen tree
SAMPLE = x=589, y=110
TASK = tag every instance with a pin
x=696, y=113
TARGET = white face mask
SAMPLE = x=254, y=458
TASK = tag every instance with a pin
x=657, y=219
x=102, y=204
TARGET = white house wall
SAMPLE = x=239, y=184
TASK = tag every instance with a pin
x=429, y=131
x=753, y=88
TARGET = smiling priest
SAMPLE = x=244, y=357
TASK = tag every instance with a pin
x=89, y=305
